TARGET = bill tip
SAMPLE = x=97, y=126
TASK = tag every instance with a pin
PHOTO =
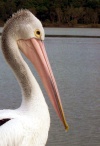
x=66, y=127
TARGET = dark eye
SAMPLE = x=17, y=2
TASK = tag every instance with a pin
x=37, y=33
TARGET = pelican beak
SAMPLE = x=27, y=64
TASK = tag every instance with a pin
x=35, y=51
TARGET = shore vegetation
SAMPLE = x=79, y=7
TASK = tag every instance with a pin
x=56, y=13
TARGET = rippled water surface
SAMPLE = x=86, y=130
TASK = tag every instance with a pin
x=76, y=66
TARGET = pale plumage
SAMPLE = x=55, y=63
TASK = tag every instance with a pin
x=29, y=124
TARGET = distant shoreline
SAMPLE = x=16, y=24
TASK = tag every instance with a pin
x=72, y=26
x=64, y=25
x=69, y=32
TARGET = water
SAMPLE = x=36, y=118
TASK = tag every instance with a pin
x=85, y=32
x=76, y=66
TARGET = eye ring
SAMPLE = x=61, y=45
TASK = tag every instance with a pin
x=37, y=33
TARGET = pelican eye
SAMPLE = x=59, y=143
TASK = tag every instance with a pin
x=37, y=33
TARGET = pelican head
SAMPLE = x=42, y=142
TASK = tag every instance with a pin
x=28, y=33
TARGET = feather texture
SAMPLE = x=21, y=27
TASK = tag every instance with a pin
x=29, y=124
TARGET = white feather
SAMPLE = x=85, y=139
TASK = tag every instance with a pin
x=29, y=124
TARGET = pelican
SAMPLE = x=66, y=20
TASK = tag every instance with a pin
x=29, y=124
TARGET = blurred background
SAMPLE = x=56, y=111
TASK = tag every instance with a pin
x=59, y=13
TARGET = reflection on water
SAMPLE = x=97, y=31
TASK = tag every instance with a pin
x=76, y=66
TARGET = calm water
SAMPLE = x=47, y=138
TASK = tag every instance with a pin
x=73, y=31
x=76, y=66
x=95, y=32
